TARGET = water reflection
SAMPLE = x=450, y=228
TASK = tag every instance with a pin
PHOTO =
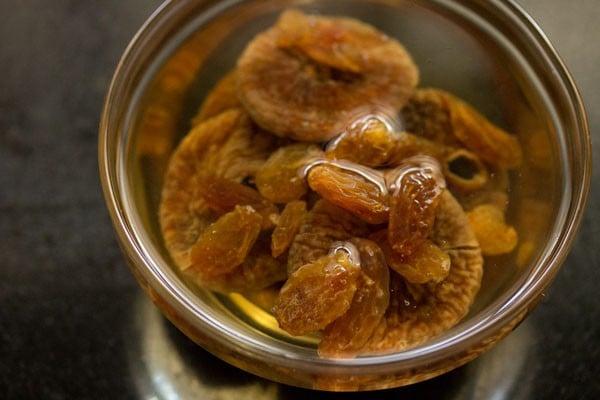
x=165, y=365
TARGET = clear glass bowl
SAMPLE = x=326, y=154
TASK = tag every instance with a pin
x=490, y=53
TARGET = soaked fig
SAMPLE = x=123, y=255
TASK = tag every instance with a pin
x=306, y=77
x=419, y=312
x=479, y=135
x=464, y=171
x=443, y=118
x=220, y=147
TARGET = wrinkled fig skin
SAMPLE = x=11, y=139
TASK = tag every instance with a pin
x=307, y=76
x=417, y=312
x=221, y=145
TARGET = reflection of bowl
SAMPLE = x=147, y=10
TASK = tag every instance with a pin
x=491, y=54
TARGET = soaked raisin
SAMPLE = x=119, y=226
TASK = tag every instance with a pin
x=369, y=142
x=222, y=196
x=346, y=336
x=351, y=191
x=493, y=234
x=418, y=188
x=225, y=243
x=316, y=294
x=280, y=179
x=427, y=263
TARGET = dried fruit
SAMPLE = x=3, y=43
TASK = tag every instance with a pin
x=418, y=187
x=316, y=294
x=222, y=196
x=493, y=234
x=427, y=115
x=427, y=263
x=289, y=223
x=479, y=135
x=408, y=145
x=280, y=177
x=306, y=77
x=183, y=212
x=242, y=152
x=464, y=171
x=346, y=336
x=351, y=190
x=324, y=225
x=369, y=141
x=385, y=257
x=258, y=271
x=225, y=243
x=443, y=118
x=418, y=312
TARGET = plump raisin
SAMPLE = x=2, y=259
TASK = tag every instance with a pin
x=316, y=294
x=369, y=142
x=346, y=336
x=427, y=263
x=351, y=191
x=280, y=179
x=493, y=234
x=418, y=188
x=222, y=195
x=225, y=243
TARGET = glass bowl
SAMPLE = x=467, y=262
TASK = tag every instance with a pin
x=490, y=53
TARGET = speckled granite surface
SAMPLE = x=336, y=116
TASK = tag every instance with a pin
x=73, y=322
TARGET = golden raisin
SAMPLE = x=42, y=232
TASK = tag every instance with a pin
x=428, y=263
x=280, y=178
x=350, y=191
x=316, y=294
x=224, y=244
x=346, y=336
x=412, y=206
x=493, y=234
x=222, y=195
x=368, y=142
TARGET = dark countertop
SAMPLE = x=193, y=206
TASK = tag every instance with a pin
x=74, y=323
